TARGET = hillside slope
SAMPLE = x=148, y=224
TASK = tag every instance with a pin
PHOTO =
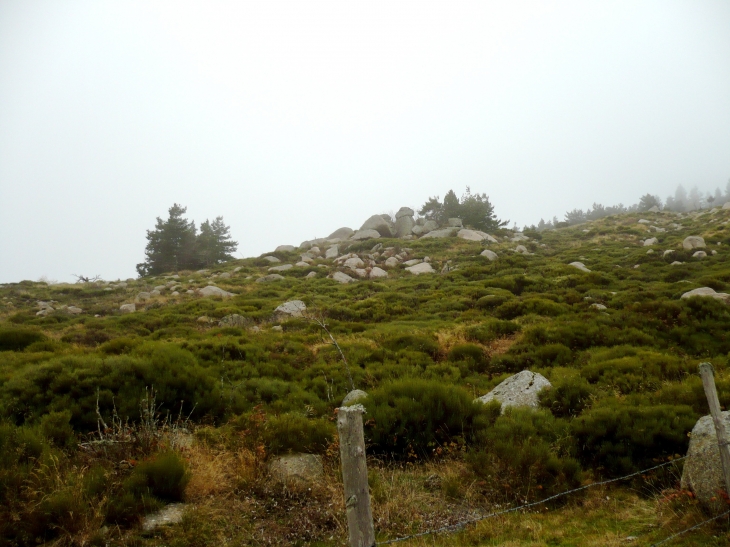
x=616, y=340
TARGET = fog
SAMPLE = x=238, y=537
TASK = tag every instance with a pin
x=291, y=119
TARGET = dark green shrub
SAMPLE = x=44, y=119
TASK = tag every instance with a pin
x=491, y=330
x=567, y=397
x=165, y=477
x=415, y=342
x=491, y=301
x=476, y=358
x=125, y=508
x=413, y=418
x=293, y=432
x=526, y=454
x=119, y=346
x=56, y=428
x=538, y=306
x=625, y=436
x=17, y=339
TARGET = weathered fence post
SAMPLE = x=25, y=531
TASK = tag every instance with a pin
x=708, y=382
x=355, y=476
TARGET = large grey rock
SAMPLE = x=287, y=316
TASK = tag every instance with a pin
x=693, y=242
x=142, y=296
x=708, y=293
x=378, y=273
x=170, y=514
x=391, y=262
x=354, y=396
x=404, y=225
x=521, y=249
x=490, y=255
x=650, y=241
x=378, y=223
x=429, y=226
x=298, y=468
x=127, y=308
x=233, y=320
x=341, y=277
x=422, y=268
x=580, y=266
x=699, y=254
x=473, y=235
x=518, y=390
x=211, y=290
x=282, y=268
x=332, y=252
x=342, y=233
x=404, y=212
x=413, y=262
x=293, y=308
x=417, y=230
x=285, y=249
x=702, y=473
x=354, y=262
x=73, y=310
x=269, y=278
x=365, y=234
x=443, y=232
x=272, y=259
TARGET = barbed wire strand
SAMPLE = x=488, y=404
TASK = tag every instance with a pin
x=689, y=529
x=452, y=527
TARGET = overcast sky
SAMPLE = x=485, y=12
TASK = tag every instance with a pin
x=292, y=119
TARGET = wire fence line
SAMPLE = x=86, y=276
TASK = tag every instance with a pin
x=466, y=522
x=666, y=539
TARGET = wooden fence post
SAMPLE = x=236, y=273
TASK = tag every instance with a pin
x=355, y=476
x=708, y=382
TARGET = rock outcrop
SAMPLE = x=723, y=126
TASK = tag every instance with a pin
x=378, y=223
x=693, y=242
x=293, y=308
x=708, y=293
x=212, y=290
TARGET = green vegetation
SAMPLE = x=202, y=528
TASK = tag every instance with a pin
x=624, y=394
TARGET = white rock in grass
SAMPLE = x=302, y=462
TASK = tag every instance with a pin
x=693, y=242
x=127, y=308
x=490, y=255
x=285, y=249
x=341, y=277
x=211, y=290
x=422, y=268
x=708, y=293
x=580, y=266
x=272, y=259
x=699, y=254
x=378, y=273
x=293, y=308
x=520, y=390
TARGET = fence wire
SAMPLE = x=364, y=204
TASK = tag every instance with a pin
x=666, y=539
x=459, y=525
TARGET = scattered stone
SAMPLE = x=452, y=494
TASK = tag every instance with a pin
x=310, y=275
x=277, y=328
x=354, y=262
x=342, y=233
x=365, y=234
x=699, y=254
x=404, y=225
x=598, y=307
x=354, y=396
x=204, y=319
x=521, y=249
x=225, y=275
x=520, y=390
x=417, y=230
x=650, y=241
x=237, y=269
x=127, y=308
x=377, y=273
x=676, y=263
x=580, y=266
x=378, y=223
x=302, y=264
x=519, y=237
x=332, y=252
x=644, y=221
x=707, y=292
x=211, y=290
x=429, y=226
x=443, y=232
x=170, y=514
x=668, y=252
x=473, y=235
x=702, y=474
x=360, y=272
x=650, y=252
x=272, y=259
x=293, y=308
x=693, y=242
x=422, y=268
x=233, y=320
x=341, y=277
x=298, y=468
x=269, y=278
x=653, y=209
x=285, y=249
x=391, y=262
x=141, y=297
x=159, y=288
x=282, y=268
x=490, y=255
x=413, y=262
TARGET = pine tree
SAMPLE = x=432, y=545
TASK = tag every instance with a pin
x=476, y=211
x=214, y=244
x=171, y=245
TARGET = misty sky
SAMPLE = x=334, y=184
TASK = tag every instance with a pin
x=291, y=119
